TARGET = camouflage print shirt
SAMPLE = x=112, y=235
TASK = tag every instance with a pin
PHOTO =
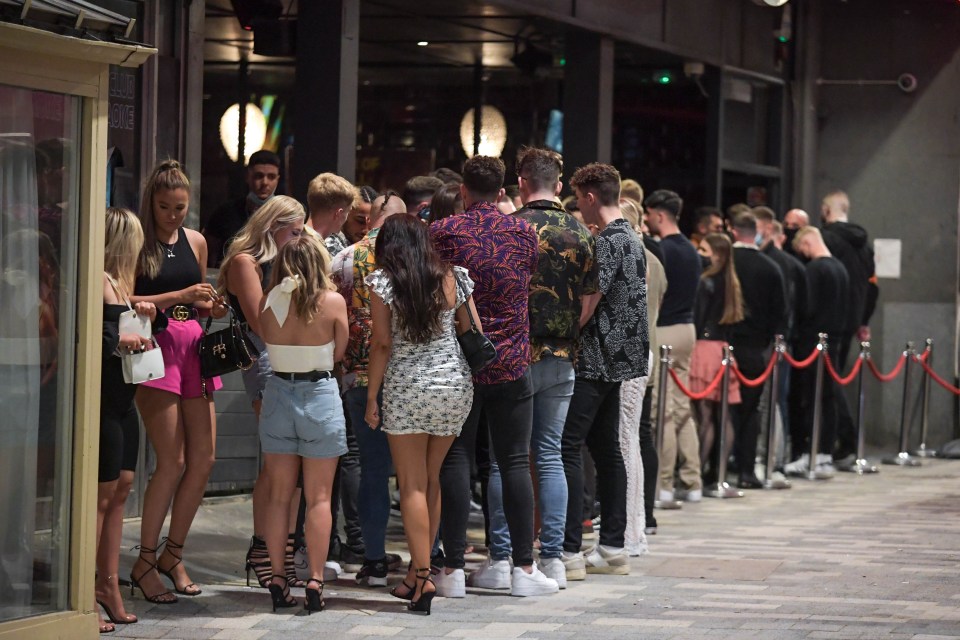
x=566, y=272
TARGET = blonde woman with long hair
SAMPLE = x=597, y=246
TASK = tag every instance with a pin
x=177, y=410
x=119, y=427
x=304, y=325
x=717, y=306
x=244, y=276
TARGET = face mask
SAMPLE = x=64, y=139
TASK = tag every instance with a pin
x=789, y=234
x=254, y=201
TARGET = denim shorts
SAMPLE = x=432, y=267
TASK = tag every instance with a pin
x=303, y=418
x=255, y=378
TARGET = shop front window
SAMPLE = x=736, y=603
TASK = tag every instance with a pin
x=39, y=210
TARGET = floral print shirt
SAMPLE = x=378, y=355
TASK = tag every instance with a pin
x=500, y=252
x=565, y=273
x=615, y=342
x=350, y=268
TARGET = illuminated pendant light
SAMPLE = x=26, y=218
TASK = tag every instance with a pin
x=255, y=131
x=493, y=132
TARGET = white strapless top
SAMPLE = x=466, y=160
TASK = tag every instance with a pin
x=299, y=358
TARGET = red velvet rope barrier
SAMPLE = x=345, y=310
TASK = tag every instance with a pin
x=802, y=364
x=933, y=374
x=850, y=376
x=747, y=382
x=703, y=394
x=887, y=377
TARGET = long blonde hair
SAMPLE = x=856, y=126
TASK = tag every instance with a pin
x=169, y=174
x=256, y=237
x=306, y=259
x=732, y=293
x=124, y=241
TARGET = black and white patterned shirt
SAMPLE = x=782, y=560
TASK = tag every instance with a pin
x=615, y=344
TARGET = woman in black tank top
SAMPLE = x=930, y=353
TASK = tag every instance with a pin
x=179, y=421
x=244, y=276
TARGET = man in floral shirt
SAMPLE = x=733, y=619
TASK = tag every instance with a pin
x=350, y=267
x=500, y=252
x=565, y=273
x=615, y=346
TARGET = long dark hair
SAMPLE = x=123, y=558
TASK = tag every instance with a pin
x=405, y=253
x=724, y=268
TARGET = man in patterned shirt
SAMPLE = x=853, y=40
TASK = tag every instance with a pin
x=350, y=267
x=330, y=199
x=614, y=348
x=500, y=252
x=564, y=275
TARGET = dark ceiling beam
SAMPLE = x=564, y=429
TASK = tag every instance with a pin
x=420, y=16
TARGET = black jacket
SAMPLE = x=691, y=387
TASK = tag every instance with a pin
x=708, y=309
x=795, y=282
x=764, y=299
x=849, y=244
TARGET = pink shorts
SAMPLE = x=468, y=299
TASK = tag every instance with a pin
x=180, y=345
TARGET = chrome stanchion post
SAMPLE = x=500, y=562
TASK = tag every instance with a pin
x=922, y=451
x=862, y=465
x=812, y=473
x=769, y=482
x=661, y=419
x=721, y=489
x=903, y=458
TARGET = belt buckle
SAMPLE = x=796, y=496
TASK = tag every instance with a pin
x=180, y=313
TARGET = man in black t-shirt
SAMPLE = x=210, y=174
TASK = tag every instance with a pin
x=675, y=327
x=825, y=312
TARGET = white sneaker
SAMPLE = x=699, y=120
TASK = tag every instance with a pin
x=824, y=468
x=574, y=565
x=666, y=495
x=494, y=574
x=798, y=467
x=331, y=571
x=690, y=495
x=553, y=568
x=301, y=564
x=610, y=560
x=451, y=585
x=532, y=584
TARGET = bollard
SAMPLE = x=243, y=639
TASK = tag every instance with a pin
x=769, y=482
x=862, y=465
x=903, y=458
x=922, y=451
x=661, y=419
x=721, y=489
x=812, y=473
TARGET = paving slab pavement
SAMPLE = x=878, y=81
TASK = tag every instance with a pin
x=854, y=557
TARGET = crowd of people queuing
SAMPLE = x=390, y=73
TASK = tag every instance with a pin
x=355, y=304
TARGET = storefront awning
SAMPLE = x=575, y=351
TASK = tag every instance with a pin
x=74, y=18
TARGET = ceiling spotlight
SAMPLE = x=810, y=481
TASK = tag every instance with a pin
x=422, y=43
x=771, y=3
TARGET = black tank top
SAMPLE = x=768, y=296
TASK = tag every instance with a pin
x=178, y=270
x=265, y=268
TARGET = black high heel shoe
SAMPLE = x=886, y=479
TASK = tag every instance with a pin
x=289, y=564
x=258, y=561
x=164, y=597
x=422, y=604
x=280, y=594
x=411, y=588
x=169, y=546
x=314, y=597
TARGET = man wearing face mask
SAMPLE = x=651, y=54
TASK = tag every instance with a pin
x=793, y=221
x=263, y=176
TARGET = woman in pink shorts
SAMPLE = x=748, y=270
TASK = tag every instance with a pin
x=177, y=410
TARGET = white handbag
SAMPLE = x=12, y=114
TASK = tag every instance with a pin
x=144, y=365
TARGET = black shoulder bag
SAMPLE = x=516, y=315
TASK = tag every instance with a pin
x=477, y=348
x=226, y=350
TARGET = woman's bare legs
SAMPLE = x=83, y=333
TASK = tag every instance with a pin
x=111, y=498
x=318, y=476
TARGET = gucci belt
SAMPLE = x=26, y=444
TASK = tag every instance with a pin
x=180, y=313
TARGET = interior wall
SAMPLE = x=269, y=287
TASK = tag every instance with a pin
x=897, y=155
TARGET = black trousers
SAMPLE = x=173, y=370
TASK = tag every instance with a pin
x=751, y=361
x=594, y=419
x=651, y=460
x=846, y=428
x=508, y=407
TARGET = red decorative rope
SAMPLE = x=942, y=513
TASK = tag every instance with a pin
x=850, y=376
x=744, y=380
x=925, y=356
x=703, y=394
x=940, y=381
x=887, y=377
x=802, y=364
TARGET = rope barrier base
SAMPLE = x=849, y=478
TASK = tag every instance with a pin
x=923, y=452
x=722, y=490
x=859, y=467
x=903, y=459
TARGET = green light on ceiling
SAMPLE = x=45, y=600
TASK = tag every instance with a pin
x=663, y=78
x=563, y=62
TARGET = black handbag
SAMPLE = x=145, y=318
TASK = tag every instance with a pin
x=477, y=348
x=226, y=350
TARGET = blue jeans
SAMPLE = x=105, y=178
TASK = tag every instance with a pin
x=373, y=497
x=553, y=381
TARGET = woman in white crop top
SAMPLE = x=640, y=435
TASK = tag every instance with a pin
x=304, y=325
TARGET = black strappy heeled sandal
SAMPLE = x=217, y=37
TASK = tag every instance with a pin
x=314, y=597
x=422, y=604
x=289, y=566
x=411, y=588
x=258, y=561
x=280, y=593
x=158, y=598
x=168, y=547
